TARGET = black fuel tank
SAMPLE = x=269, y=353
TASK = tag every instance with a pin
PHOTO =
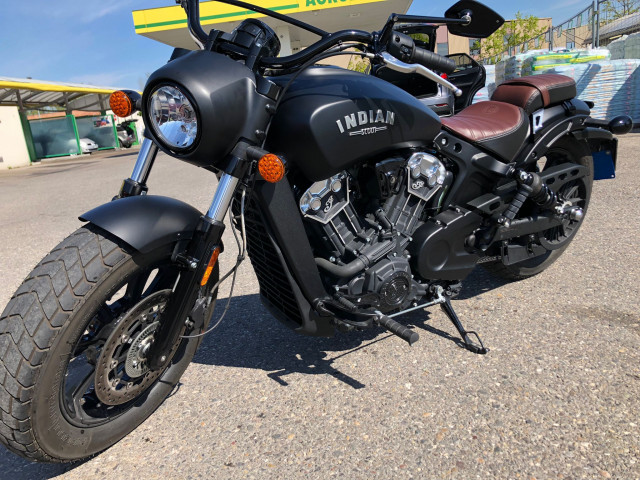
x=331, y=119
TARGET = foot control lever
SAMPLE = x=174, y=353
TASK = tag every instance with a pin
x=394, y=327
x=469, y=344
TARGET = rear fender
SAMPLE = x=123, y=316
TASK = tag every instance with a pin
x=146, y=222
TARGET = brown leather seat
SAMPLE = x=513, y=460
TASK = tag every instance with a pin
x=536, y=91
x=498, y=127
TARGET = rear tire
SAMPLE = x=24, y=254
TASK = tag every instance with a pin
x=52, y=334
x=566, y=149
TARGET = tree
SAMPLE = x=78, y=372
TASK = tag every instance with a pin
x=511, y=34
x=614, y=9
x=359, y=64
x=475, y=48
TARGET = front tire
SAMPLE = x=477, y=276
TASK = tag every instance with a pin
x=56, y=333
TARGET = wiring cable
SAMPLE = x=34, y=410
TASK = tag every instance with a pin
x=242, y=254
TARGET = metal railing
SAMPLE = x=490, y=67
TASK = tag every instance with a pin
x=594, y=26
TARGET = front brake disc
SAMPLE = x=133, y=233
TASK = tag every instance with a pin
x=122, y=373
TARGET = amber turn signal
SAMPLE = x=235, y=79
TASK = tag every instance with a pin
x=271, y=168
x=212, y=263
x=124, y=102
x=121, y=104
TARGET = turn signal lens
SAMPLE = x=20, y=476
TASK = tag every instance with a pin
x=121, y=104
x=271, y=168
x=212, y=263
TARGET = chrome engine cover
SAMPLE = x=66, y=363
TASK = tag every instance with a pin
x=326, y=199
x=426, y=174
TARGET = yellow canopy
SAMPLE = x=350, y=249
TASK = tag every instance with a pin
x=169, y=24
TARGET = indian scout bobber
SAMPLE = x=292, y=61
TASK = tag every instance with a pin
x=354, y=201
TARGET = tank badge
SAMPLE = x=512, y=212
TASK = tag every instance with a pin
x=371, y=118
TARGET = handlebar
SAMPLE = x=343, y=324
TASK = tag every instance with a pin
x=192, y=8
x=433, y=60
x=403, y=47
x=400, y=46
x=318, y=47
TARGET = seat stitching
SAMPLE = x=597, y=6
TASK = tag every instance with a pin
x=464, y=121
x=513, y=130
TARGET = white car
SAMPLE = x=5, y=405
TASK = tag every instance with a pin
x=87, y=145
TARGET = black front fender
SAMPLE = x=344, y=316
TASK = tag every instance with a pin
x=146, y=222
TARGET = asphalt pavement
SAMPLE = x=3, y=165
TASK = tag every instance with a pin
x=558, y=395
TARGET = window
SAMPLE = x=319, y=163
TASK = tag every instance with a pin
x=475, y=46
x=536, y=42
x=422, y=40
x=571, y=38
x=463, y=61
x=443, y=49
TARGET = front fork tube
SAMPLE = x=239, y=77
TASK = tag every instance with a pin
x=137, y=184
x=206, y=238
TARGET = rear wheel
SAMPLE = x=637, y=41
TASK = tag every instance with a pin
x=72, y=347
x=557, y=239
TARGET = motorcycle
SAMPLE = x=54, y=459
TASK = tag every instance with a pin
x=354, y=201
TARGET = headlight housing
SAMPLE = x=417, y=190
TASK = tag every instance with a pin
x=173, y=117
x=224, y=98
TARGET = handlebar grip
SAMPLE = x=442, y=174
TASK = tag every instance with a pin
x=433, y=60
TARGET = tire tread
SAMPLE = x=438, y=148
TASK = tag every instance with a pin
x=39, y=309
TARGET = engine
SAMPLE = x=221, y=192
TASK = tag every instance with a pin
x=360, y=223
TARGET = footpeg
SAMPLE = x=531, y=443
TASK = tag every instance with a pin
x=469, y=344
x=396, y=328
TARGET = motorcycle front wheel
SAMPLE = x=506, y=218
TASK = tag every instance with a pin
x=73, y=340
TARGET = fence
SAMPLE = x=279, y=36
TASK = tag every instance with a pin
x=608, y=19
x=58, y=137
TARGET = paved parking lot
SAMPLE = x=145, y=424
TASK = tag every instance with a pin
x=558, y=396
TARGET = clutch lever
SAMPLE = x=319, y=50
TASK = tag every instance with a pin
x=394, y=64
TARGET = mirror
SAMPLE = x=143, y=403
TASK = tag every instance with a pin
x=484, y=21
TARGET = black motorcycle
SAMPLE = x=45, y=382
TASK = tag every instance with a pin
x=355, y=202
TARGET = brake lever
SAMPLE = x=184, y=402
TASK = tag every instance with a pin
x=399, y=66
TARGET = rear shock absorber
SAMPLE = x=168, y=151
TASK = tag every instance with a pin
x=533, y=187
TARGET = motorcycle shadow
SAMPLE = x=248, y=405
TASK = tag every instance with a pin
x=478, y=282
x=249, y=337
x=18, y=468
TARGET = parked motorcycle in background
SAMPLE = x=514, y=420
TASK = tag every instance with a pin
x=355, y=202
x=126, y=136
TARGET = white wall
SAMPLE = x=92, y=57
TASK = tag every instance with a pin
x=13, y=147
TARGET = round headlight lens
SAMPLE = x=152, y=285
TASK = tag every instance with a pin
x=173, y=117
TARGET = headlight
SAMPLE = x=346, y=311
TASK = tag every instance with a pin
x=173, y=117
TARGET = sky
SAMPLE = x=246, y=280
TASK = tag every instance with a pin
x=94, y=42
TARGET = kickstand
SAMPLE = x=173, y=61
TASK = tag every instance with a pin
x=469, y=344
